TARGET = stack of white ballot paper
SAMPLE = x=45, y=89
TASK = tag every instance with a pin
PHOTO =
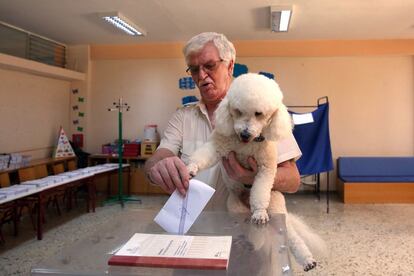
x=179, y=213
x=157, y=250
x=42, y=182
x=14, y=190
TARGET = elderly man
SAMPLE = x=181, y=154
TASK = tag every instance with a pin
x=210, y=58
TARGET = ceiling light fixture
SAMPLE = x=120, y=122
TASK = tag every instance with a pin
x=121, y=22
x=280, y=18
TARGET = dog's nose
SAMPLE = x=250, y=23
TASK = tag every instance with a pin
x=245, y=136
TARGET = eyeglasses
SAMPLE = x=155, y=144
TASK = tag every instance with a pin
x=209, y=67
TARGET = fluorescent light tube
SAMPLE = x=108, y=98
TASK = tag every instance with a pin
x=121, y=22
x=284, y=20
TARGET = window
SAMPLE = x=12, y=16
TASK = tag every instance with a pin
x=19, y=43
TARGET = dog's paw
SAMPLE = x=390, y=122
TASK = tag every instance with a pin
x=260, y=216
x=192, y=169
x=310, y=263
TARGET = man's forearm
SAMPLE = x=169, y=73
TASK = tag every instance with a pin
x=287, y=179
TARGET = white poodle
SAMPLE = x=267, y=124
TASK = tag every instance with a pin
x=249, y=121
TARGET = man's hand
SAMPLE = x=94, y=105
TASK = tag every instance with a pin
x=237, y=172
x=170, y=173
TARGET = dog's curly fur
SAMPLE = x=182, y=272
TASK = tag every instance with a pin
x=249, y=121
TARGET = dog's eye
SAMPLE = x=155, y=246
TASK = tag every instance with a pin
x=237, y=112
x=257, y=114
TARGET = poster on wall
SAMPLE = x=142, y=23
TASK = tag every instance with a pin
x=63, y=148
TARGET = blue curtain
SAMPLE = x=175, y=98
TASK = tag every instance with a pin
x=314, y=142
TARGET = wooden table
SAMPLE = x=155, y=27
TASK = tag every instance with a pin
x=95, y=159
x=98, y=158
x=137, y=176
x=39, y=194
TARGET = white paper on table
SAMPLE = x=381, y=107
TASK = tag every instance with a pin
x=42, y=182
x=14, y=190
x=301, y=119
x=198, y=194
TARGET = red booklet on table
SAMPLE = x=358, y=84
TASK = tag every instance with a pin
x=174, y=251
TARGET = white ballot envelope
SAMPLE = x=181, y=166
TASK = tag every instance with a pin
x=179, y=213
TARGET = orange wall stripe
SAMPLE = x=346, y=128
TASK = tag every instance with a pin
x=325, y=48
x=274, y=48
x=137, y=51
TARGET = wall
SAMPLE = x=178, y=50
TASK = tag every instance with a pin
x=371, y=100
x=149, y=86
x=31, y=111
x=371, y=97
x=78, y=59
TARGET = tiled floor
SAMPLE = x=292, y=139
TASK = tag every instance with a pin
x=361, y=239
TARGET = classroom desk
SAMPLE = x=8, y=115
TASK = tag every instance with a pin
x=98, y=158
x=36, y=162
x=137, y=180
x=256, y=250
x=95, y=159
x=39, y=194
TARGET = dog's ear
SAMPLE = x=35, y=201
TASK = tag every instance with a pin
x=223, y=119
x=280, y=126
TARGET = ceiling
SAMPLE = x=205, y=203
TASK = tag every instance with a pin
x=76, y=21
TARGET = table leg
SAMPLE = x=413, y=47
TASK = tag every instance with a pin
x=93, y=195
x=70, y=193
x=39, y=216
x=129, y=180
x=91, y=202
x=16, y=219
x=108, y=185
x=88, y=196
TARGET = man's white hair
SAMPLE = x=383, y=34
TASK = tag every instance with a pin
x=225, y=48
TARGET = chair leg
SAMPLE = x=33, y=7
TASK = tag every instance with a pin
x=42, y=215
x=75, y=196
x=32, y=219
x=31, y=209
x=56, y=203
x=16, y=219
x=49, y=200
x=68, y=197
x=33, y=212
x=2, y=241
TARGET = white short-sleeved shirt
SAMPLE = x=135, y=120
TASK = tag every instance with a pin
x=189, y=128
